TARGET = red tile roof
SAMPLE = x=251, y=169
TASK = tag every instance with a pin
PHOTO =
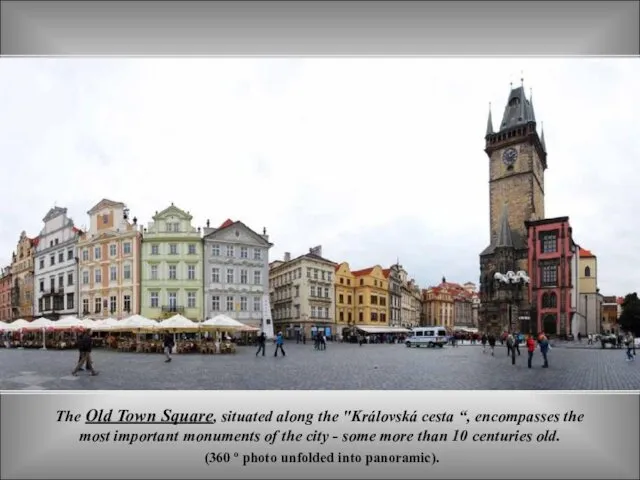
x=620, y=300
x=227, y=223
x=363, y=272
x=585, y=253
x=386, y=272
x=35, y=241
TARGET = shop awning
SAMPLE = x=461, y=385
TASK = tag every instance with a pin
x=383, y=329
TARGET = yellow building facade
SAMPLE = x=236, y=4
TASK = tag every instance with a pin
x=587, y=272
x=22, y=278
x=361, y=297
x=438, y=306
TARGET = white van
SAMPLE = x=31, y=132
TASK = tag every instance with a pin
x=427, y=336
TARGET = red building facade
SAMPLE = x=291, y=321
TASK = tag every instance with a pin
x=551, y=251
x=5, y=294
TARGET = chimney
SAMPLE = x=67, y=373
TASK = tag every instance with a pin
x=287, y=256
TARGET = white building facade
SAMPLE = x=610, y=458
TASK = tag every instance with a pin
x=236, y=274
x=56, y=266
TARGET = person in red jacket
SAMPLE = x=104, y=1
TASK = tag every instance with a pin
x=531, y=347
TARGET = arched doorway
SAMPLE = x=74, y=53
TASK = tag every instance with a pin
x=550, y=324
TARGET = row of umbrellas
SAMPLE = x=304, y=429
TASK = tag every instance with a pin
x=132, y=323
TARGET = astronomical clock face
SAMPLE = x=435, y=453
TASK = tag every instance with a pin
x=510, y=156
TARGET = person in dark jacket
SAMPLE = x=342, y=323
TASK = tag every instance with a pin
x=262, y=340
x=279, y=344
x=543, y=341
x=492, y=343
x=484, y=342
x=168, y=346
x=85, y=343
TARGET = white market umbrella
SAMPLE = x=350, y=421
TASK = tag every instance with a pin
x=178, y=322
x=90, y=324
x=68, y=323
x=106, y=325
x=40, y=324
x=135, y=322
x=222, y=321
x=5, y=327
x=18, y=324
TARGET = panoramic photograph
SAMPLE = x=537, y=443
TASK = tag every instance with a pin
x=319, y=223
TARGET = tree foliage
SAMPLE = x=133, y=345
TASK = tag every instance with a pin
x=630, y=318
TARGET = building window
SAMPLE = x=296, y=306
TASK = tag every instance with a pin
x=326, y=292
x=230, y=251
x=192, y=249
x=105, y=218
x=215, y=250
x=587, y=271
x=60, y=257
x=85, y=278
x=113, y=274
x=256, y=304
x=173, y=249
x=191, y=299
x=42, y=264
x=549, y=275
x=549, y=243
x=97, y=305
x=312, y=290
x=154, y=272
x=244, y=276
x=70, y=279
x=126, y=248
x=173, y=301
x=257, y=277
x=113, y=304
x=360, y=299
x=229, y=304
x=374, y=316
x=126, y=272
x=244, y=252
x=98, y=275
x=257, y=254
x=215, y=303
x=112, y=250
x=52, y=260
x=215, y=275
x=97, y=253
x=230, y=275
x=314, y=312
x=173, y=274
x=191, y=272
x=243, y=304
x=549, y=300
x=85, y=306
x=153, y=300
x=383, y=317
x=85, y=255
x=155, y=250
x=69, y=255
x=341, y=298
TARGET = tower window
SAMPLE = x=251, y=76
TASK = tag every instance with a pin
x=549, y=275
x=514, y=102
x=549, y=243
x=587, y=271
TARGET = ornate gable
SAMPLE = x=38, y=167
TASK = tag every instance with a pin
x=237, y=232
x=172, y=210
x=105, y=203
x=53, y=213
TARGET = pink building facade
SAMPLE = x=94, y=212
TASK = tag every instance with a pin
x=551, y=252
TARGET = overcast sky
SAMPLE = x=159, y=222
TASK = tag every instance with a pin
x=374, y=159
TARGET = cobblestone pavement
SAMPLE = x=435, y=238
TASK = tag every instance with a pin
x=341, y=366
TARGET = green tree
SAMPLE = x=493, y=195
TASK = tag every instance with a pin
x=630, y=318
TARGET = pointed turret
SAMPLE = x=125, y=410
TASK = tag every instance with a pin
x=544, y=145
x=489, y=123
x=519, y=110
x=505, y=238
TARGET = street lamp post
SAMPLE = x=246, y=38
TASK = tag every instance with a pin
x=511, y=283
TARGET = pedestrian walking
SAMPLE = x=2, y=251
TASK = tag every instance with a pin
x=484, y=343
x=84, y=347
x=629, y=343
x=511, y=348
x=491, y=339
x=279, y=345
x=168, y=346
x=531, y=348
x=323, y=342
x=543, y=341
x=262, y=342
x=517, y=339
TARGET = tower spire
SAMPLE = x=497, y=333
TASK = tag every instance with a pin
x=489, y=122
x=544, y=146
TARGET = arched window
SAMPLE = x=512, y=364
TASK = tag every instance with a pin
x=587, y=271
x=553, y=300
x=549, y=324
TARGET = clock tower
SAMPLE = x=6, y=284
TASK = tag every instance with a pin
x=517, y=162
